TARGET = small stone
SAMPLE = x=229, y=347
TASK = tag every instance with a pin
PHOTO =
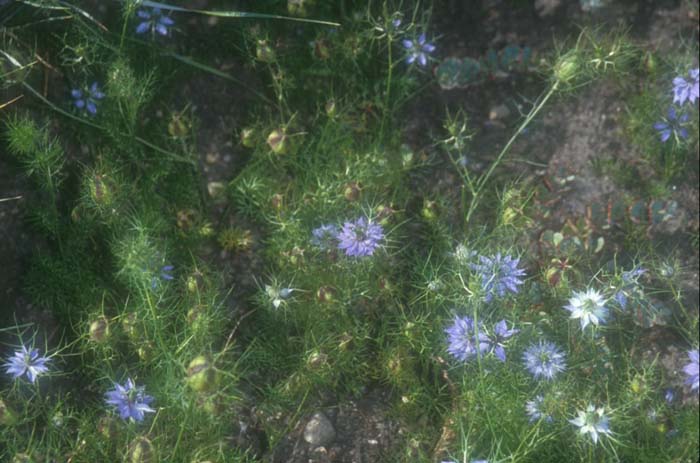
x=319, y=430
x=499, y=112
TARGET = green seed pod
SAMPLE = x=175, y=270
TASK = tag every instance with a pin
x=430, y=210
x=141, y=450
x=22, y=458
x=331, y=108
x=201, y=374
x=352, y=190
x=7, y=416
x=107, y=426
x=278, y=141
x=99, y=329
x=248, y=137
x=325, y=294
x=300, y=7
x=566, y=68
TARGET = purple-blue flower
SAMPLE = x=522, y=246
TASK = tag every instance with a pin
x=544, y=360
x=418, y=50
x=325, y=236
x=498, y=274
x=461, y=338
x=87, y=99
x=669, y=395
x=494, y=342
x=684, y=90
x=360, y=238
x=692, y=370
x=535, y=410
x=164, y=273
x=26, y=361
x=130, y=400
x=629, y=286
x=154, y=21
x=672, y=125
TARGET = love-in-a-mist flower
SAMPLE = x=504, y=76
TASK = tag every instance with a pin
x=674, y=124
x=592, y=421
x=498, y=275
x=461, y=338
x=630, y=286
x=87, y=99
x=154, y=21
x=692, y=370
x=164, y=273
x=495, y=342
x=544, y=360
x=277, y=295
x=418, y=50
x=687, y=90
x=360, y=238
x=130, y=400
x=535, y=410
x=325, y=236
x=588, y=307
x=25, y=361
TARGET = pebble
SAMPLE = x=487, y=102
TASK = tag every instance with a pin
x=319, y=430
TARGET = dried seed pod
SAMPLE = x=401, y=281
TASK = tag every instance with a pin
x=99, y=329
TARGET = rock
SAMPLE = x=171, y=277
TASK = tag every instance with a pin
x=319, y=430
x=499, y=112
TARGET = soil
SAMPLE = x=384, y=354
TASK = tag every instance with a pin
x=569, y=134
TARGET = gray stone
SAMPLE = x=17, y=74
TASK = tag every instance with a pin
x=319, y=430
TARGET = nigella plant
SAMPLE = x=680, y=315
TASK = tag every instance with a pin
x=325, y=237
x=461, y=338
x=544, y=360
x=418, y=50
x=588, y=307
x=592, y=421
x=130, y=400
x=495, y=341
x=674, y=124
x=684, y=90
x=154, y=21
x=27, y=362
x=692, y=370
x=360, y=238
x=498, y=275
x=86, y=99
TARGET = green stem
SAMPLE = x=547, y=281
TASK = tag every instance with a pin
x=387, y=92
x=483, y=180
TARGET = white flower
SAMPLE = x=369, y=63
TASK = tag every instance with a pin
x=592, y=421
x=277, y=295
x=589, y=307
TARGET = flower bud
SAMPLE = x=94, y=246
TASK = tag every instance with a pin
x=201, y=375
x=331, y=108
x=278, y=141
x=264, y=52
x=430, y=210
x=566, y=69
x=141, y=451
x=99, y=329
x=248, y=137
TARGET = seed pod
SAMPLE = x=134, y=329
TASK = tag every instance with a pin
x=99, y=329
x=331, y=108
x=248, y=137
x=7, y=416
x=352, y=190
x=325, y=294
x=141, y=450
x=276, y=201
x=22, y=457
x=201, y=374
x=278, y=141
x=566, y=69
x=107, y=426
x=430, y=210
x=300, y=7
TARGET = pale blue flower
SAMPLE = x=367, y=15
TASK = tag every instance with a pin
x=495, y=342
x=692, y=370
x=130, y=400
x=535, y=410
x=461, y=338
x=154, y=21
x=498, y=275
x=588, y=307
x=360, y=238
x=544, y=360
x=26, y=362
x=418, y=50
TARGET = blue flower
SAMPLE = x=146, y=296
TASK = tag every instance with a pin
x=461, y=338
x=417, y=50
x=163, y=274
x=684, y=90
x=26, y=361
x=630, y=286
x=130, y=400
x=498, y=274
x=494, y=342
x=325, y=236
x=155, y=21
x=669, y=395
x=544, y=360
x=672, y=125
x=360, y=238
x=534, y=409
x=692, y=370
x=87, y=99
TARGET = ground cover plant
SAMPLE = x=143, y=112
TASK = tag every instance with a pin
x=381, y=231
